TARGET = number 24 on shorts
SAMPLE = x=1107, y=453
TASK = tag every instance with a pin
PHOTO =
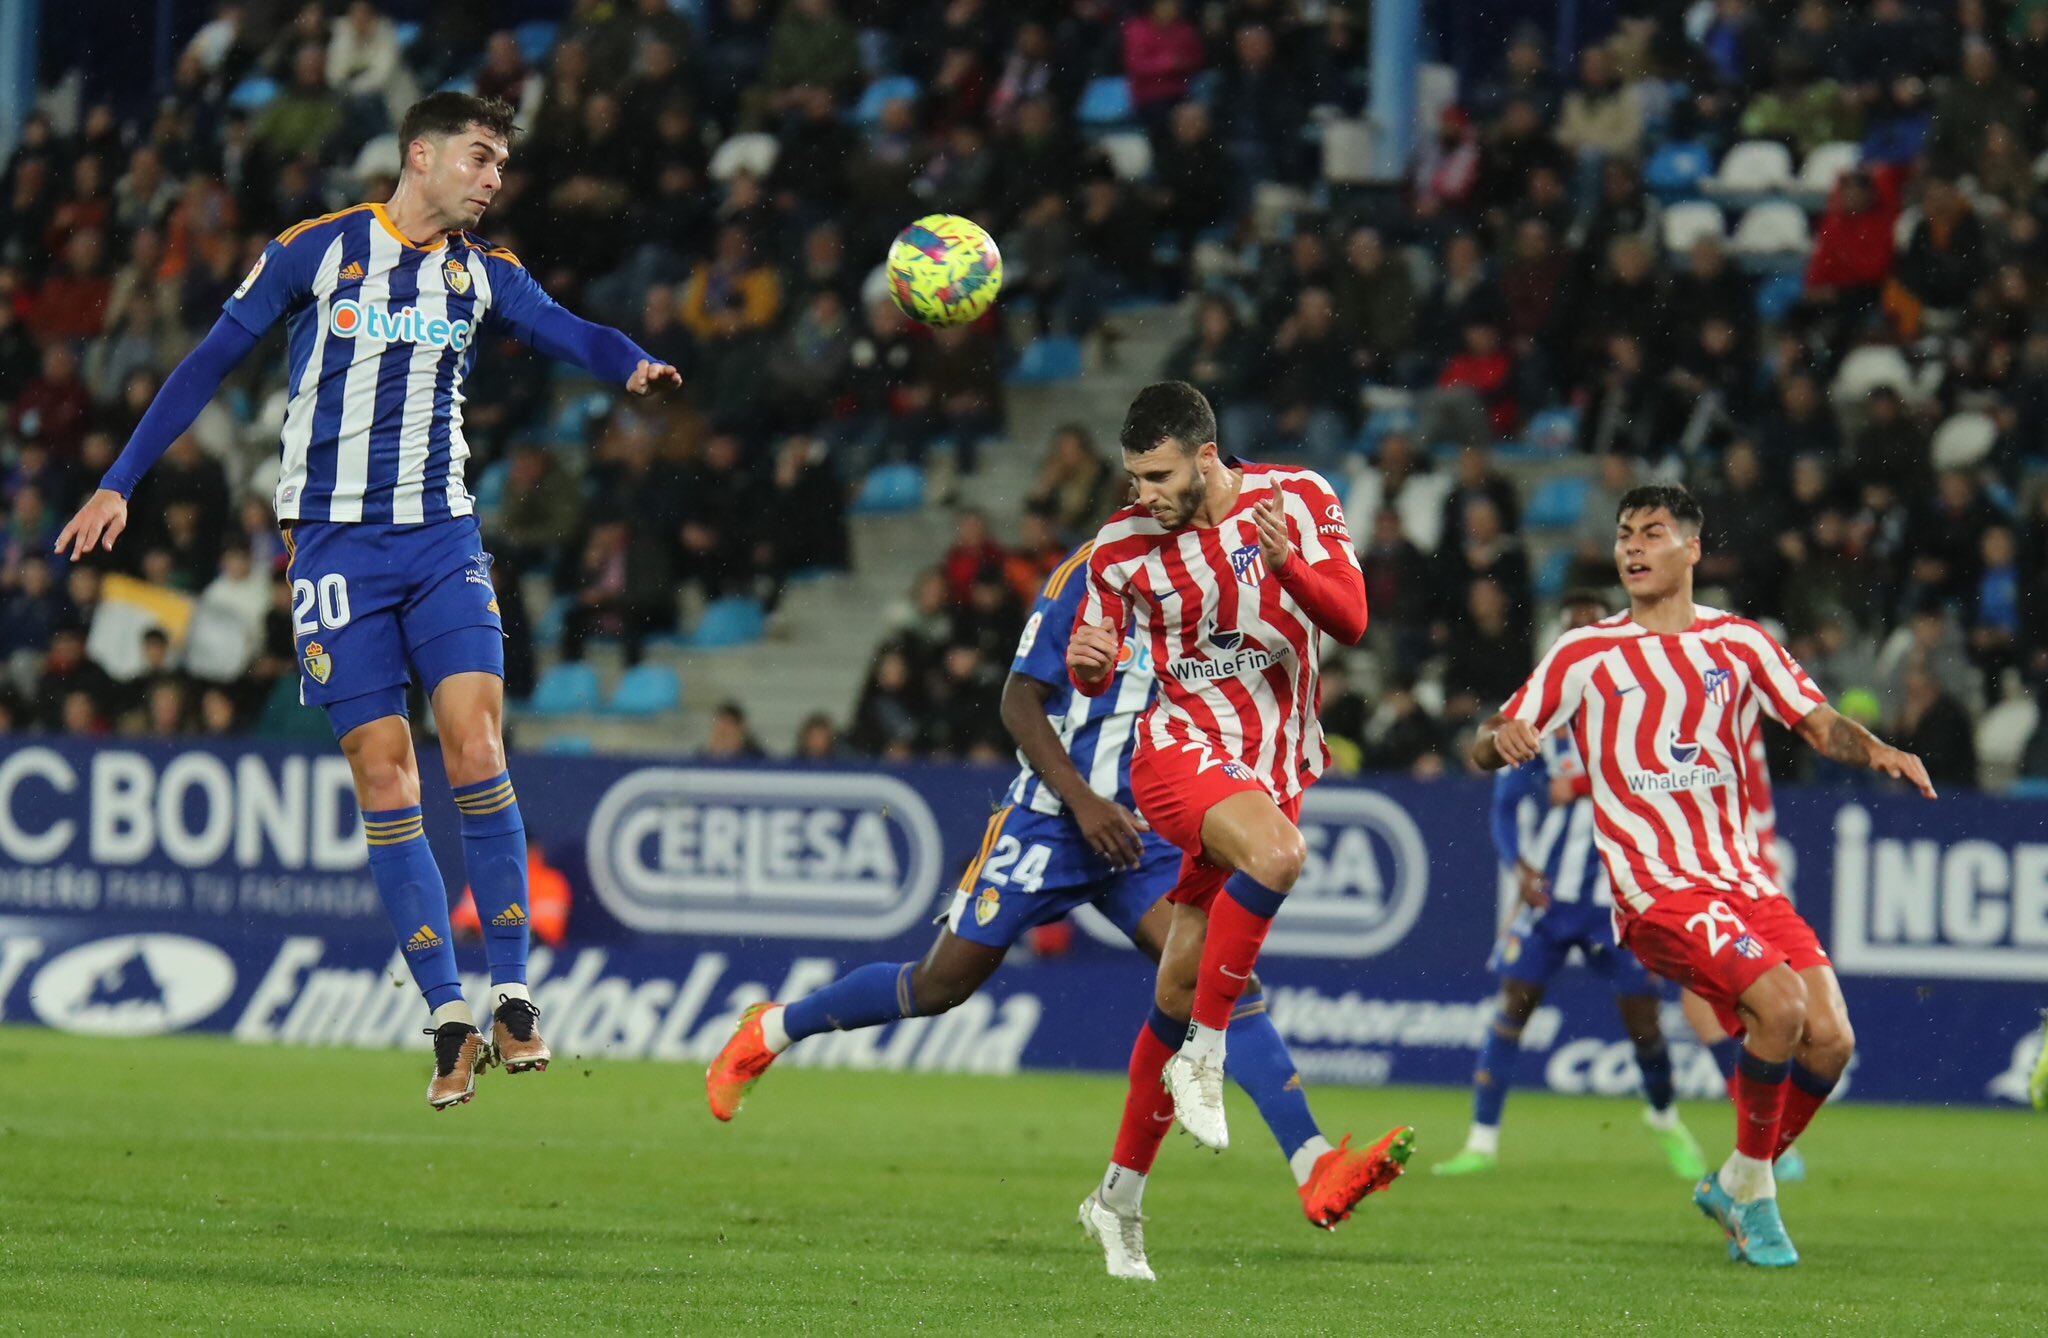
x=1029, y=873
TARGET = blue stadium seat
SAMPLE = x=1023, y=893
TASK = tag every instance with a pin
x=408, y=33
x=569, y=745
x=253, y=94
x=726, y=623
x=536, y=40
x=890, y=489
x=882, y=92
x=1553, y=431
x=1676, y=170
x=2029, y=787
x=1047, y=361
x=647, y=689
x=490, y=486
x=547, y=629
x=1551, y=576
x=1383, y=423
x=565, y=689
x=1778, y=294
x=1106, y=102
x=1558, y=504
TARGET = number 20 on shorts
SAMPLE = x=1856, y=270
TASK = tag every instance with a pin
x=328, y=599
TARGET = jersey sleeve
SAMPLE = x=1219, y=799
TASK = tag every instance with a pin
x=1552, y=694
x=550, y=328
x=1510, y=788
x=1782, y=687
x=1042, y=649
x=1319, y=519
x=278, y=283
x=1101, y=603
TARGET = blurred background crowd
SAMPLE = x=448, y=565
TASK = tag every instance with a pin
x=1790, y=252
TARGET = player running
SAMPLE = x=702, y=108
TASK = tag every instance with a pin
x=1066, y=837
x=1232, y=572
x=1566, y=905
x=390, y=581
x=1658, y=699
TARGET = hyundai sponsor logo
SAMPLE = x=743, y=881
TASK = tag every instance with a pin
x=133, y=985
x=783, y=854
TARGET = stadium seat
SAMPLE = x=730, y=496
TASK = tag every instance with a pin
x=253, y=94
x=547, y=631
x=565, y=689
x=1963, y=440
x=1106, y=102
x=2003, y=733
x=1129, y=154
x=879, y=94
x=889, y=490
x=1867, y=368
x=2029, y=787
x=1553, y=431
x=1676, y=170
x=408, y=33
x=647, y=689
x=490, y=486
x=1775, y=229
x=1687, y=222
x=1752, y=170
x=753, y=154
x=1777, y=295
x=1553, y=572
x=536, y=40
x=1558, y=503
x=1825, y=166
x=1046, y=361
x=569, y=745
x=726, y=623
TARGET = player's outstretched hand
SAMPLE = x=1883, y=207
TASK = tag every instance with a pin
x=98, y=523
x=649, y=375
x=1901, y=765
x=1112, y=831
x=1515, y=741
x=1532, y=886
x=1273, y=540
x=1091, y=652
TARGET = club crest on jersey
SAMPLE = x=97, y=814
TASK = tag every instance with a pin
x=1719, y=684
x=1746, y=946
x=987, y=906
x=319, y=663
x=1238, y=771
x=456, y=276
x=1249, y=562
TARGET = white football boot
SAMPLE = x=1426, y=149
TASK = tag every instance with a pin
x=1121, y=1237
x=1197, y=1089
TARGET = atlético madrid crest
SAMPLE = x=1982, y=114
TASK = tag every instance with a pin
x=318, y=662
x=457, y=277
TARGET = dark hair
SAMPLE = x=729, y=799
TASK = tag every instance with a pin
x=439, y=115
x=1672, y=497
x=1168, y=409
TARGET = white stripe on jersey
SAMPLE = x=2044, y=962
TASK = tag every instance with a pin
x=408, y=494
x=359, y=391
x=459, y=500
x=300, y=406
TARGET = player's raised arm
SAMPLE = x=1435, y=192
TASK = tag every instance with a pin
x=553, y=330
x=1840, y=739
x=1514, y=734
x=1097, y=636
x=1322, y=572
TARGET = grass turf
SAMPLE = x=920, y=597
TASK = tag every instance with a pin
x=193, y=1182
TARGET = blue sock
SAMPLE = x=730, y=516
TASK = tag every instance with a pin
x=416, y=900
x=1495, y=1073
x=1655, y=1062
x=1257, y=1060
x=1726, y=1052
x=494, y=850
x=866, y=996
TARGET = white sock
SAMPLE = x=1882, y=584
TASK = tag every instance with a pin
x=1746, y=1179
x=1123, y=1189
x=455, y=1011
x=1303, y=1161
x=1484, y=1138
x=1204, y=1044
x=1663, y=1121
x=772, y=1031
x=509, y=990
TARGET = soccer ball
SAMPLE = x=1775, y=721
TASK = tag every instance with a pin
x=944, y=270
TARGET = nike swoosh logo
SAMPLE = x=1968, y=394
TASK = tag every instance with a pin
x=1633, y=687
x=1234, y=975
x=1162, y=1119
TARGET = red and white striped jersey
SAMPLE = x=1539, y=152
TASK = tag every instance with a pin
x=1762, y=807
x=1666, y=725
x=1235, y=653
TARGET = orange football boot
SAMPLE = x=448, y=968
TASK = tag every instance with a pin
x=740, y=1065
x=1342, y=1177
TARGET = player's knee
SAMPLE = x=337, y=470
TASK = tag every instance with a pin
x=1277, y=861
x=1830, y=1040
x=384, y=783
x=477, y=756
x=1175, y=998
x=1517, y=1006
x=937, y=993
x=1781, y=1009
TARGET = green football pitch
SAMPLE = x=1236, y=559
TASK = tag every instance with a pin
x=195, y=1183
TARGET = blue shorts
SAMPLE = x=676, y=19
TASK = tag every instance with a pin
x=375, y=605
x=1538, y=944
x=1036, y=867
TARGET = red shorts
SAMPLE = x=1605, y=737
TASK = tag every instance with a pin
x=1175, y=791
x=1718, y=945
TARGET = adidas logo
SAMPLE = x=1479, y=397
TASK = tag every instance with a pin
x=510, y=916
x=352, y=272
x=423, y=941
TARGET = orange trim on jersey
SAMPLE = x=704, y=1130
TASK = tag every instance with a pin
x=400, y=237
x=1065, y=571
x=292, y=233
x=502, y=254
x=988, y=846
x=291, y=553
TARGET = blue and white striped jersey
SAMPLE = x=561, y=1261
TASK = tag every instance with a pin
x=1097, y=732
x=1558, y=840
x=382, y=335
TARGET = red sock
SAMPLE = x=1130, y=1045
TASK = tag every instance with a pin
x=1804, y=1096
x=1148, y=1107
x=1759, y=1105
x=1238, y=921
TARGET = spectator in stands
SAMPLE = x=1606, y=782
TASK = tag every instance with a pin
x=1936, y=728
x=1524, y=77
x=1377, y=307
x=305, y=118
x=1481, y=549
x=55, y=407
x=731, y=740
x=32, y=607
x=1602, y=117
x=1446, y=172
x=806, y=516
x=1311, y=383
x=974, y=554
x=72, y=303
x=1890, y=445
x=1401, y=735
x=817, y=740
x=1222, y=360
x=1259, y=108
x=1487, y=657
x=811, y=46
x=957, y=365
x=1076, y=487
x=887, y=720
x=1399, y=592
x=1191, y=187
x=1946, y=256
x=1162, y=53
x=621, y=593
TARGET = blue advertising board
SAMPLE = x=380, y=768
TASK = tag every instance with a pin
x=147, y=888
